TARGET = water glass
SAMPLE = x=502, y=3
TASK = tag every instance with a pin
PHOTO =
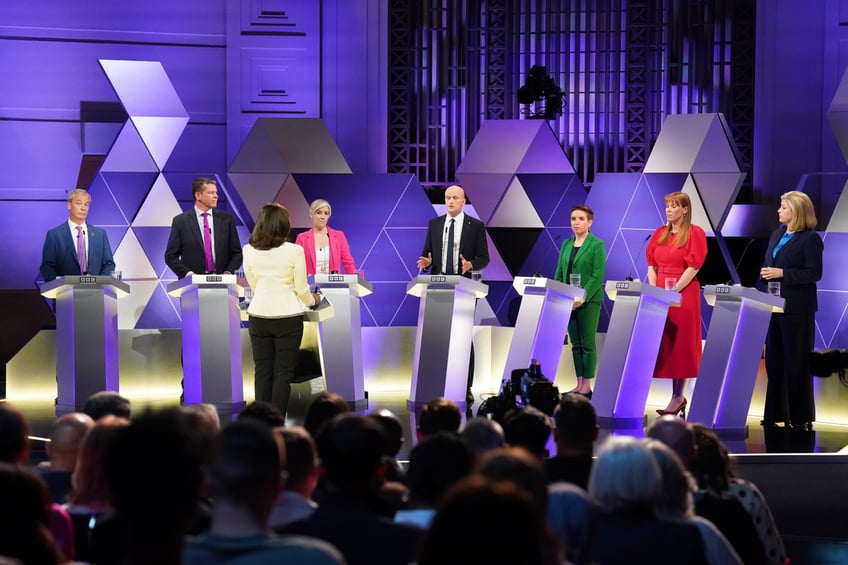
x=116, y=274
x=670, y=283
x=476, y=275
x=574, y=279
x=774, y=288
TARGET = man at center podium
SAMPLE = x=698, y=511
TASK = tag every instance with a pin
x=455, y=245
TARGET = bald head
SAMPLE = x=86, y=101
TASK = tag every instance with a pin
x=676, y=434
x=454, y=200
x=14, y=434
x=65, y=439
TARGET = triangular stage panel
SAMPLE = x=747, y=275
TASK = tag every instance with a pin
x=839, y=218
x=514, y=245
x=143, y=88
x=383, y=304
x=129, y=190
x=718, y=193
x=544, y=155
x=496, y=270
x=413, y=207
x=500, y=146
x=505, y=301
x=661, y=184
x=560, y=215
x=153, y=241
x=542, y=260
x=160, y=135
x=131, y=306
x=159, y=207
x=408, y=242
x=716, y=152
x=485, y=190
x=159, y=313
x=104, y=210
x=383, y=263
x=831, y=319
x=407, y=313
x=116, y=236
x=128, y=153
x=292, y=198
x=545, y=191
x=258, y=189
x=515, y=210
x=131, y=259
x=643, y=210
x=833, y=277
x=699, y=215
x=678, y=143
x=609, y=198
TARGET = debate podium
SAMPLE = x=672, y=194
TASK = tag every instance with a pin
x=626, y=364
x=732, y=352
x=211, y=352
x=541, y=324
x=341, y=336
x=86, y=336
x=443, y=337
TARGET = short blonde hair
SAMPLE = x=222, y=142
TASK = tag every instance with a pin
x=626, y=477
x=78, y=192
x=803, y=214
x=320, y=203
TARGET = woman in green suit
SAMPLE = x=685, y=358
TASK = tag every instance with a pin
x=584, y=255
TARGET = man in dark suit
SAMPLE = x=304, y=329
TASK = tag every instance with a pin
x=455, y=245
x=186, y=252
x=75, y=248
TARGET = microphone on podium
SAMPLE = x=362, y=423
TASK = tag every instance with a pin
x=641, y=249
x=739, y=261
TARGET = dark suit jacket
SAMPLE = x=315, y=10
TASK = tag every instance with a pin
x=590, y=263
x=801, y=261
x=185, y=244
x=59, y=255
x=472, y=245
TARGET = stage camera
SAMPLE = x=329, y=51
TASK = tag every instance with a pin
x=524, y=387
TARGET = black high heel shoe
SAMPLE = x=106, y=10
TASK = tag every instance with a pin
x=802, y=426
x=681, y=409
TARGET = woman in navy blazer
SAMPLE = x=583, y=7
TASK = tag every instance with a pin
x=326, y=249
x=584, y=255
x=794, y=258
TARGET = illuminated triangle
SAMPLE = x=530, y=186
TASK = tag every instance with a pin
x=131, y=259
x=718, y=192
x=160, y=206
x=295, y=202
x=258, y=189
x=131, y=307
x=699, y=214
x=485, y=190
x=515, y=210
x=128, y=153
x=160, y=135
x=716, y=152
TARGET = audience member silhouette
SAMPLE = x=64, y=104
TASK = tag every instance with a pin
x=206, y=414
x=438, y=415
x=724, y=511
x=627, y=485
x=480, y=522
x=436, y=463
x=571, y=517
x=25, y=518
x=264, y=412
x=105, y=403
x=483, y=435
x=575, y=432
x=323, y=408
x=295, y=500
x=677, y=503
x=521, y=467
x=350, y=448
x=66, y=435
x=530, y=428
x=393, y=432
x=714, y=473
x=245, y=481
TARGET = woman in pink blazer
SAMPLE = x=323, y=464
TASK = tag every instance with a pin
x=326, y=249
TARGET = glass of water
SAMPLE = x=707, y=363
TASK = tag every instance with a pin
x=774, y=288
x=574, y=279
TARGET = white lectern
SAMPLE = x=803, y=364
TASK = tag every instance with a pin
x=541, y=324
x=341, y=336
x=443, y=336
x=211, y=323
x=626, y=365
x=732, y=353
x=86, y=336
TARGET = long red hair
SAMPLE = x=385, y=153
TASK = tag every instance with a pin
x=682, y=200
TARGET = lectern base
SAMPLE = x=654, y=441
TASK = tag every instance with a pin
x=228, y=411
x=62, y=409
x=357, y=405
x=622, y=423
x=731, y=433
x=417, y=406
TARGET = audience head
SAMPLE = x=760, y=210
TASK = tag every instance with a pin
x=24, y=521
x=301, y=460
x=14, y=434
x=107, y=402
x=350, y=448
x=89, y=477
x=483, y=435
x=206, y=414
x=153, y=464
x=439, y=415
x=263, y=412
x=66, y=435
x=519, y=466
x=575, y=423
x=676, y=500
x=392, y=428
x=712, y=467
x=676, y=434
x=626, y=477
x=323, y=408
x=481, y=522
x=529, y=428
x=247, y=469
x=437, y=462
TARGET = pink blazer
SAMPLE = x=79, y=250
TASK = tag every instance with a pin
x=339, y=251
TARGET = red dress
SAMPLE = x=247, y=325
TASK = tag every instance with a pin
x=680, y=348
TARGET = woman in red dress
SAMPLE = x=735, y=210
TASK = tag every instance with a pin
x=677, y=251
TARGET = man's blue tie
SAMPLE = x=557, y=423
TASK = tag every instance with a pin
x=449, y=260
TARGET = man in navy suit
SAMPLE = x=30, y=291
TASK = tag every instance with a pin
x=185, y=253
x=60, y=256
x=455, y=245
